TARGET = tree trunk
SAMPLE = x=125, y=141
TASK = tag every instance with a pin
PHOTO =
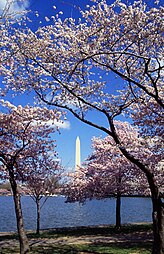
x=158, y=226
x=118, y=211
x=158, y=205
x=118, y=202
x=157, y=216
x=24, y=245
x=38, y=215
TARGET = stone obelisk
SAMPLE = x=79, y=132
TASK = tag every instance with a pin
x=77, y=155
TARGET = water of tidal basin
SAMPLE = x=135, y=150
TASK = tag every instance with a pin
x=56, y=213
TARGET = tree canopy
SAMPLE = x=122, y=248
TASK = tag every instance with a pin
x=71, y=64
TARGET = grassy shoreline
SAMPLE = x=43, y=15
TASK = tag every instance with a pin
x=104, y=239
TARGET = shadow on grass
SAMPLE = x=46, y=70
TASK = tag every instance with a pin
x=92, y=230
x=95, y=248
x=111, y=248
x=129, y=244
x=66, y=249
x=9, y=237
x=79, y=231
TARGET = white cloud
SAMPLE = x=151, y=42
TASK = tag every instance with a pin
x=15, y=6
x=52, y=123
x=55, y=123
x=60, y=124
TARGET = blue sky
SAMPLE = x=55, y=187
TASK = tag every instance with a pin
x=66, y=140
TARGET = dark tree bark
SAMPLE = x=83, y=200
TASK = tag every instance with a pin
x=38, y=215
x=158, y=218
x=158, y=225
x=118, y=204
x=24, y=244
x=118, y=211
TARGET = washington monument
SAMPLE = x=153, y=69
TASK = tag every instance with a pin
x=77, y=155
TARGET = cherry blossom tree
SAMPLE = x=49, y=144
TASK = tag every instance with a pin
x=11, y=13
x=108, y=173
x=72, y=65
x=24, y=134
x=42, y=181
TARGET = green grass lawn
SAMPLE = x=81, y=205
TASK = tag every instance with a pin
x=133, y=247
x=84, y=248
x=94, y=248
